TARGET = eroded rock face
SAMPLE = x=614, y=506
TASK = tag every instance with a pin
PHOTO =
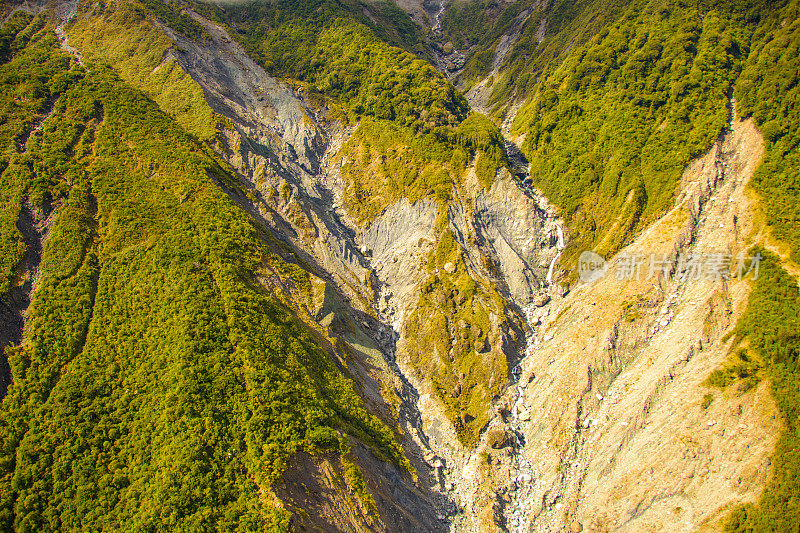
x=520, y=230
x=317, y=490
x=612, y=425
x=619, y=432
x=265, y=111
x=507, y=236
x=398, y=241
x=282, y=150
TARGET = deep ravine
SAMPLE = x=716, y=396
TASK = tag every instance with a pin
x=518, y=510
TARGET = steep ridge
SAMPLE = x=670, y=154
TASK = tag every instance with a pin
x=277, y=144
x=280, y=143
x=89, y=283
x=14, y=303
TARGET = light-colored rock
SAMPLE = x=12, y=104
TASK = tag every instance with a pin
x=649, y=373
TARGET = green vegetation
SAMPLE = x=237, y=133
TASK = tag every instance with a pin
x=345, y=60
x=477, y=26
x=161, y=386
x=32, y=77
x=768, y=90
x=609, y=132
x=373, y=79
x=770, y=328
x=170, y=13
x=301, y=21
x=355, y=479
x=452, y=340
x=384, y=162
x=743, y=365
x=123, y=35
x=707, y=400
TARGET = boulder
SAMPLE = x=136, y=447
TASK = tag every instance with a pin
x=541, y=300
x=499, y=438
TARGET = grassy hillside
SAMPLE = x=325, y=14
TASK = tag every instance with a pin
x=767, y=90
x=161, y=386
x=768, y=335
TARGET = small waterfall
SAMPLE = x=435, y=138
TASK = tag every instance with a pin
x=560, y=248
x=518, y=511
x=519, y=508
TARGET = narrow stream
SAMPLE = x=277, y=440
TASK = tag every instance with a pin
x=437, y=18
x=518, y=510
x=560, y=248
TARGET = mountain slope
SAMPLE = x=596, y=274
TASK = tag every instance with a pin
x=264, y=269
x=150, y=341
x=577, y=102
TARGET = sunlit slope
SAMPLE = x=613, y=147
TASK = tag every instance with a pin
x=159, y=384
